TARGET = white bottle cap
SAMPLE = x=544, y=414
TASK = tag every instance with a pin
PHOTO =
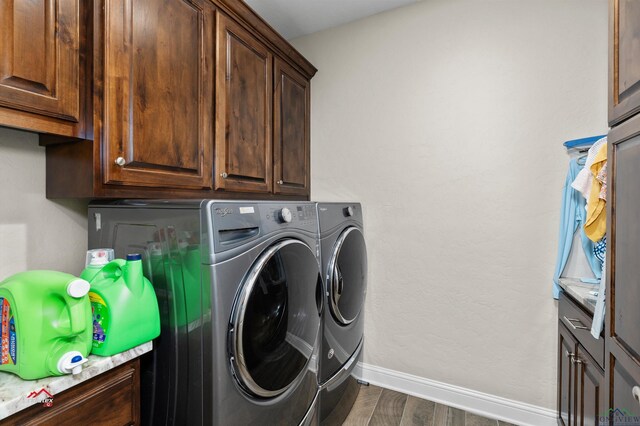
x=78, y=288
x=99, y=257
x=71, y=362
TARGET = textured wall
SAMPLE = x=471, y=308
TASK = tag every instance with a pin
x=445, y=119
x=35, y=233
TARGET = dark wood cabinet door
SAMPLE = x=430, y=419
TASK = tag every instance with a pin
x=623, y=274
x=243, y=110
x=567, y=346
x=158, y=91
x=624, y=59
x=40, y=57
x=291, y=118
x=112, y=398
x=623, y=292
x=624, y=389
x=590, y=403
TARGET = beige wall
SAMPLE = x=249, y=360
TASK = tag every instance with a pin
x=446, y=119
x=35, y=233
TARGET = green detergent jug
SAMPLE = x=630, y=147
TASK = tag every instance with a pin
x=46, y=324
x=123, y=304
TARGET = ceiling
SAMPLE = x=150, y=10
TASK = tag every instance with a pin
x=295, y=18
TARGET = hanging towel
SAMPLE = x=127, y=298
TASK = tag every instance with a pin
x=572, y=218
x=596, y=224
x=584, y=179
x=598, y=312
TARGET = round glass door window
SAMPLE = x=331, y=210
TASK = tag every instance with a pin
x=347, y=276
x=276, y=319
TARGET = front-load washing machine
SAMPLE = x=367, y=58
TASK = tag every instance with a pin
x=343, y=257
x=240, y=295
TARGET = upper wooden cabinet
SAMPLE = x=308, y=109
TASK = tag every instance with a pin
x=243, y=110
x=157, y=115
x=624, y=59
x=40, y=65
x=161, y=98
x=291, y=134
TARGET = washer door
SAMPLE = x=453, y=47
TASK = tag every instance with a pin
x=276, y=319
x=347, y=276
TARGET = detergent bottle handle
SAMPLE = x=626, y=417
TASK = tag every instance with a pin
x=113, y=269
x=77, y=315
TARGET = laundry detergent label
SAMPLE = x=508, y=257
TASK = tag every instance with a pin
x=9, y=351
x=101, y=319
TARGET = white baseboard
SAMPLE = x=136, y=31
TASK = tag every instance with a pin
x=492, y=406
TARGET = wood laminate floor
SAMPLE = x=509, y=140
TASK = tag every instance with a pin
x=383, y=407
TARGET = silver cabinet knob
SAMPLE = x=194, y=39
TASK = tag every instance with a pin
x=120, y=161
x=280, y=182
x=224, y=175
x=635, y=391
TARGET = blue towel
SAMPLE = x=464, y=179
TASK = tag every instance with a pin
x=572, y=217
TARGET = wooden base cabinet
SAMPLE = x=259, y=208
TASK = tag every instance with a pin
x=623, y=285
x=112, y=398
x=581, y=396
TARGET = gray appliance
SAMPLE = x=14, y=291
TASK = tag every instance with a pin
x=240, y=295
x=343, y=257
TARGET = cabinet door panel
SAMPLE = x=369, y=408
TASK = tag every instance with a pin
x=625, y=273
x=243, y=110
x=40, y=57
x=625, y=376
x=291, y=131
x=566, y=388
x=624, y=58
x=590, y=401
x=158, y=91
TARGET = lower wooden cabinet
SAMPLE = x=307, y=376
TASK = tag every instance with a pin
x=112, y=398
x=623, y=290
x=581, y=396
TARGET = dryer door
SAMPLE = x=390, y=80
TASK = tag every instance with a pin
x=276, y=319
x=347, y=276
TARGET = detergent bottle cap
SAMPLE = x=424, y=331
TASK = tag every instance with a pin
x=134, y=256
x=99, y=257
x=78, y=288
x=71, y=362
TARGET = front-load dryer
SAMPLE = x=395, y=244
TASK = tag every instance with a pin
x=343, y=259
x=240, y=297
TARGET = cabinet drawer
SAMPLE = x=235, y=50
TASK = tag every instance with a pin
x=112, y=398
x=579, y=324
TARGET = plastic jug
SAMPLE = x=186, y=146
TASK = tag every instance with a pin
x=46, y=324
x=123, y=304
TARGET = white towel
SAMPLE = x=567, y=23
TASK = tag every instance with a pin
x=584, y=179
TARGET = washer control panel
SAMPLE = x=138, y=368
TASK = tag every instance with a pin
x=301, y=215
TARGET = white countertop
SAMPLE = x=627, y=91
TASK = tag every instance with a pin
x=581, y=292
x=14, y=391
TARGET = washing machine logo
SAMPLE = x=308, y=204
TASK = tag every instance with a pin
x=223, y=211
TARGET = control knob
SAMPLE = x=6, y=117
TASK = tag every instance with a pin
x=348, y=211
x=285, y=215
